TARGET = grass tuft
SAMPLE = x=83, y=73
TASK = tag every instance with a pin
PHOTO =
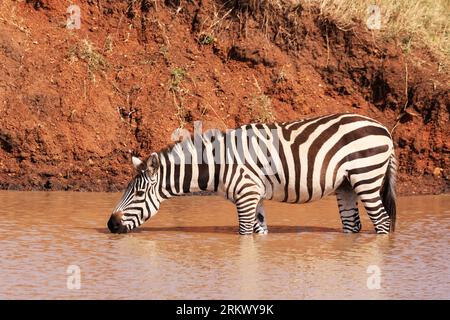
x=261, y=106
x=178, y=92
x=86, y=52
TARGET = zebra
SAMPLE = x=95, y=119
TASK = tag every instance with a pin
x=294, y=162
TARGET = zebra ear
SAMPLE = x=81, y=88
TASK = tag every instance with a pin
x=137, y=163
x=153, y=163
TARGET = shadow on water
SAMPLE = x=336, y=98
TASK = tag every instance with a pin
x=230, y=229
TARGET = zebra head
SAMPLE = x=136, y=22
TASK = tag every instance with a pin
x=140, y=200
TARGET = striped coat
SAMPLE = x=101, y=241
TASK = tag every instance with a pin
x=294, y=162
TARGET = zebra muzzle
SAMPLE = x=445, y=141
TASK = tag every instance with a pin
x=115, y=223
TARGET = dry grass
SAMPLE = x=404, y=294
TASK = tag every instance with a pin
x=10, y=15
x=211, y=26
x=414, y=23
x=86, y=52
x=109, y=44
x=178, y=75
x=261, y=106
x=93, y=58
x=261, y=109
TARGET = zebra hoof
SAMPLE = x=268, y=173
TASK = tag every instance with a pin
x=265, y=231
x=352, y=229
x=382, y=228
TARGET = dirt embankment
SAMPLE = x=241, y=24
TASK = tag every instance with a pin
x=75, y=104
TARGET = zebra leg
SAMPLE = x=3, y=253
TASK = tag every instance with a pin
x=247, y=206
x=260, y=225
x=368, y=192
x=377, y=213
x=348, y=208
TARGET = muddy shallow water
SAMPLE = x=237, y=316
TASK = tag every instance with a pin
x=56, y=245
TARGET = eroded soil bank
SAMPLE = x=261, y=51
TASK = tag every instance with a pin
x=75, y=104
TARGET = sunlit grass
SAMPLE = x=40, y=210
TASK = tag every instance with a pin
x=415, y=23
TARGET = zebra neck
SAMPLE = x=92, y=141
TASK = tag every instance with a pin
x=184, y=172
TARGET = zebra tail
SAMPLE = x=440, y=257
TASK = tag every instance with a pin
x=388, y=193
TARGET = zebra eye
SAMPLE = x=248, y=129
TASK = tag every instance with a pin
x=139, y=193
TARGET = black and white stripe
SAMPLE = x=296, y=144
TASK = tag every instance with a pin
x=293, y=162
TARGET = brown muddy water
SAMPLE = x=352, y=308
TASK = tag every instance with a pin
x=56, y=245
